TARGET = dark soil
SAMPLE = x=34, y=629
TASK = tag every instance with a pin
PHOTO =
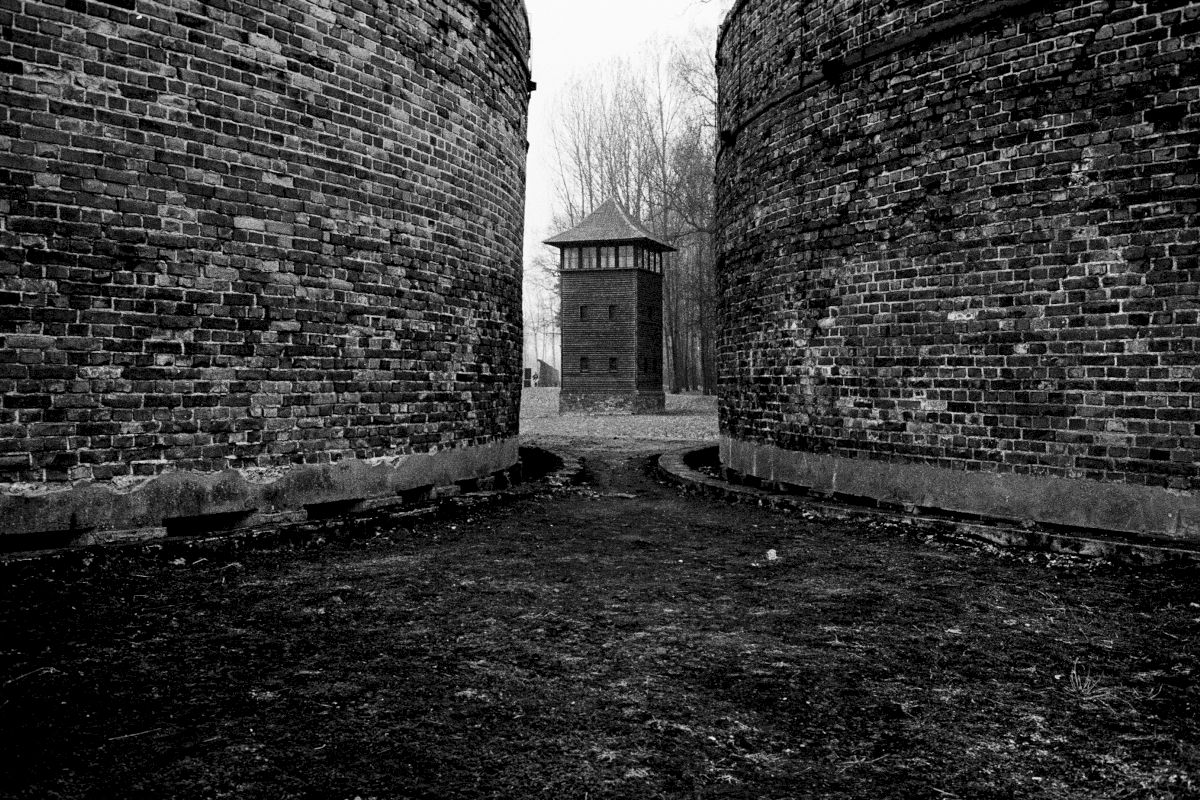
x=613, y=640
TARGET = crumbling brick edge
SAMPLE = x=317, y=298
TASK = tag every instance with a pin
x=536, y=471
x=679, y=468
x=182, y=501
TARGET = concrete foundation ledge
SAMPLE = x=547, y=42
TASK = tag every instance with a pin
x=1073, y=503
x=683, y=468
x=40, y=516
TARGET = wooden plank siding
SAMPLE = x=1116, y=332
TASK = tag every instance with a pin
x=650, y=330
x=633, y=331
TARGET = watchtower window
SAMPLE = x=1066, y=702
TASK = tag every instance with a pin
x=612, y=365
x=584, y=364
x=589, y=257
x=608, y=258
x=612, y=312
x=627, y=256
x=583, y=312
x=570, y=258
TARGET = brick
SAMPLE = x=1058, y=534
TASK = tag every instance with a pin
x=15, y=462
x=1013, y=239
x=149, y=288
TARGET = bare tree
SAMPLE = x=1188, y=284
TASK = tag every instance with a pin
x=642, y=131
x=690, y=198
x=694, y=153
x=541, y=308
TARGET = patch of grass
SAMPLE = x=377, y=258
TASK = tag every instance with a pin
x=1093, y=691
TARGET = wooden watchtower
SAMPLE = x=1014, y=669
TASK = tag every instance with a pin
x=612, y=330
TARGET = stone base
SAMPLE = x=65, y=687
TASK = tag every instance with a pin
x=1068, y=502
x=35, y=516
x=611, y=402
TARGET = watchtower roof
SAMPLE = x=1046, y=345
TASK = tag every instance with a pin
x=609, y=223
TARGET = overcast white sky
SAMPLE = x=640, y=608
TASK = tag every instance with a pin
x=570, y=37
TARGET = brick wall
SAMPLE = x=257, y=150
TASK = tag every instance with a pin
x=256, y=235
x=963, y=236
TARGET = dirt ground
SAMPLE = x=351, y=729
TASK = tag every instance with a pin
x=615, y=639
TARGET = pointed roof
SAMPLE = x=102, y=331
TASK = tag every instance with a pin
x=608, y=223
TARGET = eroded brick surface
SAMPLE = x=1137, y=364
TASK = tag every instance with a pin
x=965, y=241
x=254, y=233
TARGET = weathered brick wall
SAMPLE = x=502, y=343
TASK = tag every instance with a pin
x=256, y=235
x=963, y=236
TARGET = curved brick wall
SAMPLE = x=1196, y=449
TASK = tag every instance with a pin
x=959, y=255
x=255, y=255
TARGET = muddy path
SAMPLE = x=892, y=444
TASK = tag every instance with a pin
x=615, y=639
